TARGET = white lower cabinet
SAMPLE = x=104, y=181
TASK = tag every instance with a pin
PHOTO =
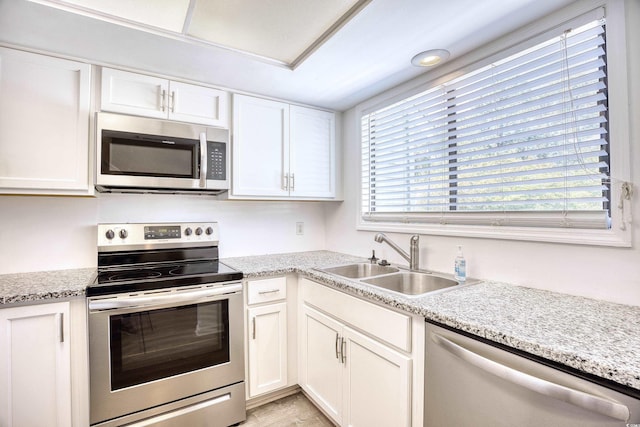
x=268, y=343
x=377, y=386
x=320, y=361
x=357, y=379
x=35, y=366
x=267, y=348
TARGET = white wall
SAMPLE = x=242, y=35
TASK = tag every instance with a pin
x=53, y=233
x=601, y=272
x=50, y=233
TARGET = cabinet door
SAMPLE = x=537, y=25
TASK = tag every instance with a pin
x=377, y=387
x=321, y=366
x=260, y=147
x=44, y=124
x=312, y=153
x=132, y=93
x=198, y=104
x=267, y=348
x=35, y=378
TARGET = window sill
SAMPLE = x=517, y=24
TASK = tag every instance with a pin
x=614, y=237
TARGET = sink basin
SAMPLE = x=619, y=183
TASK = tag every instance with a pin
x=360, y=270
x=411, y=283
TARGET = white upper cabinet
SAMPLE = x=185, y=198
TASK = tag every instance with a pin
x=44, y=124
x=260, y=147
x=142, y=95
x=282, y=150
x=312, y=152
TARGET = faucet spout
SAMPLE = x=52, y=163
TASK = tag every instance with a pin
x=413, y=257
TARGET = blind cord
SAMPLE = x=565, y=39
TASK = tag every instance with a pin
x=626, y=188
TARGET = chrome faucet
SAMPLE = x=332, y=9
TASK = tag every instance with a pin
x=414, y=251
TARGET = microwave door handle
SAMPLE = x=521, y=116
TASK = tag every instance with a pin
x=203, y=160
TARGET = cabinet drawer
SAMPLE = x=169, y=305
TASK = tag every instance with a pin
x=384, y=324
x=266, y=290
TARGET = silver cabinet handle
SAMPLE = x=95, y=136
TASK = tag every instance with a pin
x=163, y=100
x=293, y=181
x=172, y=97
x=270, y=291
x=343, y=353
x=254, y=328
x=285, y=182
x=61, y=325
x=203, y=160
x=556, y=391
x=337, y=349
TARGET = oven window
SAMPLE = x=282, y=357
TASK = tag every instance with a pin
x=155, y=344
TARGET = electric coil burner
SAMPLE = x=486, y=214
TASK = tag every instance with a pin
x=165, y=328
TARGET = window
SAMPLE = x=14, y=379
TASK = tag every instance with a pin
x=521, y=142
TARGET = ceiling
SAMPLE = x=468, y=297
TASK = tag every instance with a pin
x=331, y=53
x=254, y=27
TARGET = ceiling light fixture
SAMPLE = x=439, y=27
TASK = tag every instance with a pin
x=429, y=58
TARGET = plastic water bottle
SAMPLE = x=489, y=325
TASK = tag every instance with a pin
x=460, y=270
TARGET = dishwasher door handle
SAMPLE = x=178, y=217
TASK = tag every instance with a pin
x=584, y=400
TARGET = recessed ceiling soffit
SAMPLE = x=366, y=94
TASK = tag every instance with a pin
x=282, y=32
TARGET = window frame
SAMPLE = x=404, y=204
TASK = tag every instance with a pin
x=574, y=15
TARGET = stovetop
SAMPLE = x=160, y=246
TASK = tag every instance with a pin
x=160, y=276
x=144, y=257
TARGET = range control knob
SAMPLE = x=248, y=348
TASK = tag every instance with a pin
x=188, y=231
x=110, y=234
x=123, y=234
x=199, y=231
x=209, y=231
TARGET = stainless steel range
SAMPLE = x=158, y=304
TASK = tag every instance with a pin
x=165, y=328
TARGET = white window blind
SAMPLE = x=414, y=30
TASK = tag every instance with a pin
x=521, y=142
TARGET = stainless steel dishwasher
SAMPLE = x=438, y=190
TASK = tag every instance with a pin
x=471, y=383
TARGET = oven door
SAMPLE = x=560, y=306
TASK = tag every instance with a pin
x=162, y=346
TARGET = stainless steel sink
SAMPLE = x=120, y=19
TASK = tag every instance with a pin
x=411, y=283
x=359, y=270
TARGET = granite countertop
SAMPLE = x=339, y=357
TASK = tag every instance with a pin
x=596, y=337
x=44, y=285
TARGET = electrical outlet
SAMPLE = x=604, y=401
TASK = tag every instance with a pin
x=299, y=228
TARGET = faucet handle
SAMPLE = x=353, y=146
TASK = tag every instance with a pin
x=373, y=258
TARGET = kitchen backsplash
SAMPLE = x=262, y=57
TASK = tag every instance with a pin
x=53, y=233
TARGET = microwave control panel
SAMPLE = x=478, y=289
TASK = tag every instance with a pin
x=216, y=160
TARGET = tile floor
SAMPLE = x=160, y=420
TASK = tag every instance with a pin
x=290, y=411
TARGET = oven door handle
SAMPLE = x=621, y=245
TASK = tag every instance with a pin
x=171, y=298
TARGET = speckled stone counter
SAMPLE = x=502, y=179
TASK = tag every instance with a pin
x=43, y=285
x=595, y=337
x=269, y=265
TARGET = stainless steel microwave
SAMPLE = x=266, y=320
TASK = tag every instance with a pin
x=137, y=154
